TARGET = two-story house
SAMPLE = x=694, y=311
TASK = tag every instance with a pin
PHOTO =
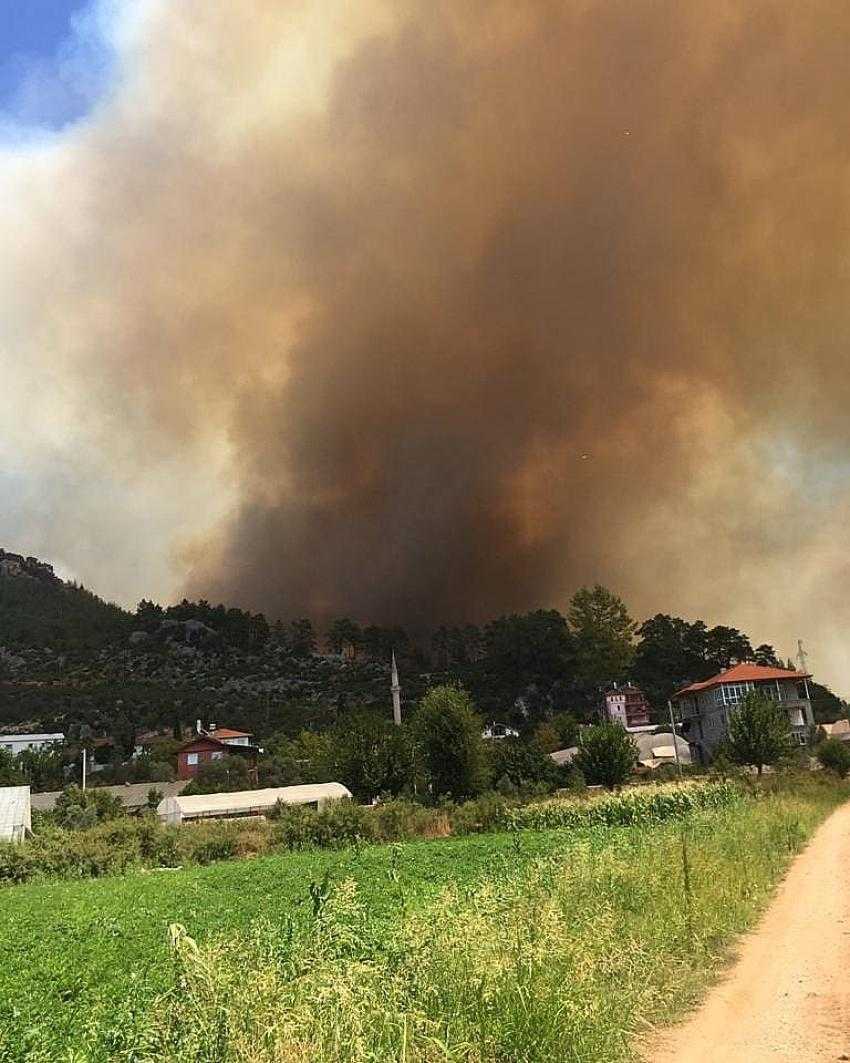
x=213, y=744
x=704, y=708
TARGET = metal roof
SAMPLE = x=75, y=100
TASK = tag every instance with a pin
x=195, y=806
x=132, y=795
x=33, y=738
x=15, y=815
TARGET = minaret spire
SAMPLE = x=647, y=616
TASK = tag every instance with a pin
x=396, y=690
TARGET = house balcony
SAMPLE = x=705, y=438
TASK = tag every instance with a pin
x=686, y=710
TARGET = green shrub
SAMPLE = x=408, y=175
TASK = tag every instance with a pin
x=338, y=824
x=834, y=755
x=450, y=743
x=607, y=755
x=211, y=840
x=77, y=809
x=401, y=819
x=17, y=863
x=484, y=813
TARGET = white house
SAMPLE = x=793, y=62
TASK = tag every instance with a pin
x=705, y=707
x=15, y=813
x=499, y=730
x=16, y=744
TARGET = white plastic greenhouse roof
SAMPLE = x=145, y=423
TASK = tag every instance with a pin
x=15, y=816
x=248, y=801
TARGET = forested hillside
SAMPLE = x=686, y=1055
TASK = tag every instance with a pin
x=69, y=661
x=59, y=616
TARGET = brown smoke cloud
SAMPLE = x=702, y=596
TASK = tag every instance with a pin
x=468, y=303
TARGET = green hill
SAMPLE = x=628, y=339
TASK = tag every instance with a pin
x=42, y=611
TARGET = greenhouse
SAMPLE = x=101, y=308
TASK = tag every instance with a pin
x=183, y=809
x=15, y=813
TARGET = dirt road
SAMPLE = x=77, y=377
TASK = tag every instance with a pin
x=787, y=998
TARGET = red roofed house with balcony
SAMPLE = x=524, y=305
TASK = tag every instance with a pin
x=705, y=707
x=214, y=744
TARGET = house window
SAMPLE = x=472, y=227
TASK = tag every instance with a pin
x=191, y=758
x=734, y=693
x=217, y=755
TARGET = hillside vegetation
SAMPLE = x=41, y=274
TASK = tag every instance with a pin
x=71, y=662
x=55, y=616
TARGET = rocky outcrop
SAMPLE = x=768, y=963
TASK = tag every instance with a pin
x=14, y=566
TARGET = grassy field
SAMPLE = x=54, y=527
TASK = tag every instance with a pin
x=536, y=945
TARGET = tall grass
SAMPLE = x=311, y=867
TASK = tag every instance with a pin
x=645, y=805
x=574, y=957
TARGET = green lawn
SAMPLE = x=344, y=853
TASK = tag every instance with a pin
x=537, y=945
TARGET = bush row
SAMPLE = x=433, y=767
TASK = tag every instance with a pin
x=120, y=844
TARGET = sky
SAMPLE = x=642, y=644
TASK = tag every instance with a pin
x=54, y=64
x=422, y=312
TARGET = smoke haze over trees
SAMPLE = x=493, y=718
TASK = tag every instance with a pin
x=427, y=312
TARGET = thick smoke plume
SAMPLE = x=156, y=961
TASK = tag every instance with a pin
x=427, y=310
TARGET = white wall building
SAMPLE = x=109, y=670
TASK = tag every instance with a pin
x=16, y=744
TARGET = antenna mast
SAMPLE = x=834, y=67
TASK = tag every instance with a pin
x=802, y=657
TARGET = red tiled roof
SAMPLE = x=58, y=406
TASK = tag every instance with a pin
x=202, y=742
x=742, y=673
x=228, y=732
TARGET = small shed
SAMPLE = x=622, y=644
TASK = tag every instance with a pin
x=241, y=803
x=15, y=813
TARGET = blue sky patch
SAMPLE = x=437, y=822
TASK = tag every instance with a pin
x=54, y=64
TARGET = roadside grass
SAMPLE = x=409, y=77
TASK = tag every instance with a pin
x=534, y=945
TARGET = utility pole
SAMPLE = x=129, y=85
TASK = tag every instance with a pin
x=675, y=743
x=396, y=692
x=84, y=767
